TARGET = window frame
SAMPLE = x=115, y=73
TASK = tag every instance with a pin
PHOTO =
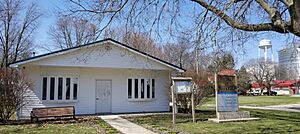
x=58, y=90
x=131, y=86
x=77, y=87
x=148, y=90
x=44, y=93
x=139, y=98
x=136, y=84
x=153, y=86
x=64, y=89
x=52, y=86
x=68, y=88
x=142, y=87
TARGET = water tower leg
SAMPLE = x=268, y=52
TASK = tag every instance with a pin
x=258, y=53
x=266, y=54
x=272, y=54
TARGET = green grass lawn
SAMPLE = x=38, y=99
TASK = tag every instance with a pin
x=90, y=126
x=270, y=122
x=263, y=100
x=74, y=128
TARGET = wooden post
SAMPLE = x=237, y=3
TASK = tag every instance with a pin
x=173, y=101
x=193, y=105
x=216, y=93
x=236, y=84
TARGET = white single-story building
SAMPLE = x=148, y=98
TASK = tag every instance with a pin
x=100, y=77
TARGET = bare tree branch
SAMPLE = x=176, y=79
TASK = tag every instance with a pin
x=246, y=27
x=72, y=31
x=18, y=21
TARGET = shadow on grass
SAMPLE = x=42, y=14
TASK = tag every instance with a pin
x=276, y=115
x=61, y=120
x=201, y=115
x=271, y=122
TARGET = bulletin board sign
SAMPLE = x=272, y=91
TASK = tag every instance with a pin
x=182, y=87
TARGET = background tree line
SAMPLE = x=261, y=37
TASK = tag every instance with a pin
x=18, y=23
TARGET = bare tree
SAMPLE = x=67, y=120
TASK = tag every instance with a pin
x=178, y=54
x=71, y=31
x=264, y=73
x=138, y=40
x=167, y=18
x=207, y=20
x=14, y=87
x=204, y=89
x=18, y=21
x=281, y=16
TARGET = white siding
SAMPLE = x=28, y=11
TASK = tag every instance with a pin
x=86, y=92
x=105, y=56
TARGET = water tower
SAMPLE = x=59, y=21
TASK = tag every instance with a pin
x=265, y=45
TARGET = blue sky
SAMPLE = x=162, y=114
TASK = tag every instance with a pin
x=47, y=8
x=251, y=47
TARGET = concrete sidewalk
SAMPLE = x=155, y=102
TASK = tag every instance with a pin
x=124, y=125
x=288, y=107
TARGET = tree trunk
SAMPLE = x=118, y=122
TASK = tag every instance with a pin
x=268, y=90
x=294, y=11
x=262, y=91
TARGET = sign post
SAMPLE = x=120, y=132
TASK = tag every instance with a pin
x=193, y=104
x=173, y=102
x=182, y=85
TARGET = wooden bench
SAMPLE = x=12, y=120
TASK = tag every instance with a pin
x=47, y=112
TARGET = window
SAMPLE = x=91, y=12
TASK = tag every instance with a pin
x=129, y=88
x=153, y=88
x=148, y=88
x=141, y=89
x=59, y=88
x=44, y=88
x=75, y=91
x=52, y=87
x=75, y=88
x=136, y=88
x=68, y=85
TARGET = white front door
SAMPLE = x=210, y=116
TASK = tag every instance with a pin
x=103, y=96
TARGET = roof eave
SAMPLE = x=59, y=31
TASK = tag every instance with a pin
x=39, y=57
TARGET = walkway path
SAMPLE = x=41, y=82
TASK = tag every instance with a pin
x=124, y=126
x=289, y=107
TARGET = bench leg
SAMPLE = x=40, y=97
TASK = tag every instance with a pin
x=31, y=116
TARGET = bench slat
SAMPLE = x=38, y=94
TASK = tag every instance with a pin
x=40, y=112
x=53, y=112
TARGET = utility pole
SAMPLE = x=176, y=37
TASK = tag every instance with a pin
x=197, y=42
x=197, y=60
